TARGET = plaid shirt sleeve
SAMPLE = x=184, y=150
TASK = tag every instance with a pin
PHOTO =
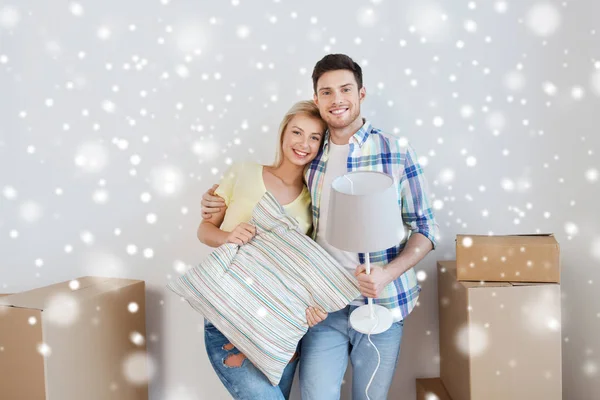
x=416, y=209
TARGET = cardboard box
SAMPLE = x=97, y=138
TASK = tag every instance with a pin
x=499, y=340
x=431, y=389
x=63, y=342
x=513, y=258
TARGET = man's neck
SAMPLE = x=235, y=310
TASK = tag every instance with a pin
x=342, y=136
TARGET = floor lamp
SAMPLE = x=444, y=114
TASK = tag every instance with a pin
x=364, y=217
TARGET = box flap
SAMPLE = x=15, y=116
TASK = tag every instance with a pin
x=450, y=267
x=509, y=240
x=531, y=283
x=486, y=284
x=89, y=286
x=533, y=234
x=514, y=234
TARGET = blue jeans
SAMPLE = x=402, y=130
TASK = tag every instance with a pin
x=246, y=381
x=325, y=350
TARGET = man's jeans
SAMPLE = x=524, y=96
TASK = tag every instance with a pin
x=324, y=354
x=246, y=381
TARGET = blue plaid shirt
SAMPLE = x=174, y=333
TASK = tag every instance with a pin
x=373, y=150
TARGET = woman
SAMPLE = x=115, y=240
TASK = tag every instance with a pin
x=243, y=185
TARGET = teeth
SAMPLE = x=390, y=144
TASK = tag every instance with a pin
x=300, y=153
x=337, y=112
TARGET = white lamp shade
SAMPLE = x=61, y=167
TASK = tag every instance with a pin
x=363, y=214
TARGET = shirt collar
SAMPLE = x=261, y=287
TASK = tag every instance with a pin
x=360, y=137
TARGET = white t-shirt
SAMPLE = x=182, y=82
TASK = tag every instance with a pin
x=336, y=166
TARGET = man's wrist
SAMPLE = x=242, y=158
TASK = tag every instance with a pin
x=396, y=268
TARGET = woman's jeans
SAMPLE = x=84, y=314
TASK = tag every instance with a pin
x=245, y=381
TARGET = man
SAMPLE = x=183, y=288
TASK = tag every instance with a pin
x=352, y=144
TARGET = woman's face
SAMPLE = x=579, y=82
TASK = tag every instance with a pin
x=302, y=139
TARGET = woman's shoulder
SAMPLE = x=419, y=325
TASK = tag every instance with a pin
x=245, y=173
x=243, y=167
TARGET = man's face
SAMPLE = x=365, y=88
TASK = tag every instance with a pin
x=339, y=98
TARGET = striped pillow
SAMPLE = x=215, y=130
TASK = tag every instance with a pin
x=257, y=294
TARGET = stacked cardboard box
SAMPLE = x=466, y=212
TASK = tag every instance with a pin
x=499, y=309
x=515, y=258
x=81, y=339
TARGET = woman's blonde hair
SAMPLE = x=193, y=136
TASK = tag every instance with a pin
x=306, y=107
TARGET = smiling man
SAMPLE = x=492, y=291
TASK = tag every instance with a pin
x=353, y=144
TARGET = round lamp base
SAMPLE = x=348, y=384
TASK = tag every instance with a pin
x=361, y=320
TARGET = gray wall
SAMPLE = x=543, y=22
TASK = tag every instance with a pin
x=115, y=116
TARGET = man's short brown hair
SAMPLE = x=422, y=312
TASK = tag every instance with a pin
x=334, y=62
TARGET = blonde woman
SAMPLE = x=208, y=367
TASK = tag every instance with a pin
x=300, y=137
